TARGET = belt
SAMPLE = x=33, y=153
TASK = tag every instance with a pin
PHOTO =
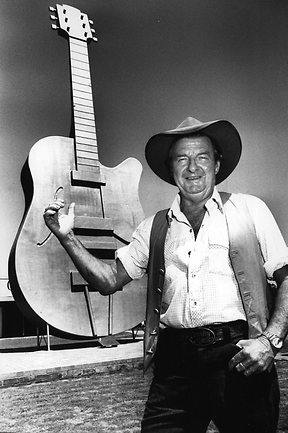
x=207, y=335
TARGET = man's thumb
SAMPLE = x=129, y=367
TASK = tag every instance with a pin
x=71, y=209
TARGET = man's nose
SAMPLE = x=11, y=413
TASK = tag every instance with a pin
x=192, y=166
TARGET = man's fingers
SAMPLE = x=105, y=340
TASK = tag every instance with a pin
x=235, y=360
x=254, y=357
x=249, y=370
x=241, y=343
x=71, y=209
x=54, y=207
x=48, y=211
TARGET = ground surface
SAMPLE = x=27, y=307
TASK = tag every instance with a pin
x=100, y=403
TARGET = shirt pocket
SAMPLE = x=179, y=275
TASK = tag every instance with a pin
x=219, y=261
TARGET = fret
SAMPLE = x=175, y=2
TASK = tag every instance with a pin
x=83, y=108
x=84, y=116
x=81, y=87
x=89, y=141
x=79, y=62
x=88, y=161
x=85, y=134
x=87, y=147
x=90, y=146
x=85, y=124
x=80, y=72
x=81, y=57
x=81, y=80
x=82, y=101
x=86, y=131
x=80, y=65
x=78, y=49
x=82, y=95
x=76, y=43
x=80, y=126
x=86, y=154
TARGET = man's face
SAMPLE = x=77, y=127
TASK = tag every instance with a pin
x=194, y=168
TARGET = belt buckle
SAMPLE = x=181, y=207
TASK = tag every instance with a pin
x=203, y=341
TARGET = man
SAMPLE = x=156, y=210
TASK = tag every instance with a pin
x=209, y=325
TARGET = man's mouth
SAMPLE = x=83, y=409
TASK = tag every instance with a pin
x=193, y=178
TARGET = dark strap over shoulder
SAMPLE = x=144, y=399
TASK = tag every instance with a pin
x=157, y=237
x=156, y=272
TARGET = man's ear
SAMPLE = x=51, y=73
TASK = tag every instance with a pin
x=217, y=167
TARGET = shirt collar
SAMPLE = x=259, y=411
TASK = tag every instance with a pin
x=215, y=199
x=175, y=210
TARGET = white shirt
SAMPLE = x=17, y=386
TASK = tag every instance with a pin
x=200, y=286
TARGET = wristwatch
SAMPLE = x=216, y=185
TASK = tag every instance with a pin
x=275, y=341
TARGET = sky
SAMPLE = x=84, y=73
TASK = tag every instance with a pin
x=155, y=63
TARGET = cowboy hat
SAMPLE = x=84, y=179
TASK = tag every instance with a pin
x=223, y=134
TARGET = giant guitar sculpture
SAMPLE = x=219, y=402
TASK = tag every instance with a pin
x=44, y=282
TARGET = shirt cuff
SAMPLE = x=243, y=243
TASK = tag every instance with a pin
x=273, y=265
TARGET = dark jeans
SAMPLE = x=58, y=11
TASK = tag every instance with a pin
x=192, y=386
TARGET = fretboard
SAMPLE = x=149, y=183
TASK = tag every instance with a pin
x=86, y=149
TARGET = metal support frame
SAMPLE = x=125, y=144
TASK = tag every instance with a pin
x=45, y=338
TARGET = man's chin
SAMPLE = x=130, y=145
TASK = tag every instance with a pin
x=197, y=195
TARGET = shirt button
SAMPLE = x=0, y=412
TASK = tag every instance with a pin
x=193, y=275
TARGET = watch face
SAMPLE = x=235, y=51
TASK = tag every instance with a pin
x=277, y=342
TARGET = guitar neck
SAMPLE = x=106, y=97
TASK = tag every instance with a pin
x=86, y=148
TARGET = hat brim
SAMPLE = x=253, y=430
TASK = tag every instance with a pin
x=222, y=133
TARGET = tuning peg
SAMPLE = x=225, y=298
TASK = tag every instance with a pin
x=54, y=27
x=52, y=9
x=92, y=31
x=95, y=39
x=53, y=17
x=91, y=22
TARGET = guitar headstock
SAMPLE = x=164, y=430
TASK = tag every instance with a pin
x=73, y=22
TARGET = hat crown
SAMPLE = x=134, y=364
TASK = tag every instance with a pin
x=188, y=122
x=222, y=133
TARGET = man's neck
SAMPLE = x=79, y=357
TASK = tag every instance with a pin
x=194, y=212
x=193, y=206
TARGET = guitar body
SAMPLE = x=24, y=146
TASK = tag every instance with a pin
x=44, y=281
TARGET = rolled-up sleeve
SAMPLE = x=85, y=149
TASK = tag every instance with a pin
x=272, y=244
x=134, y=256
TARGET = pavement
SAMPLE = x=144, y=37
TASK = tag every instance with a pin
x=43, y=364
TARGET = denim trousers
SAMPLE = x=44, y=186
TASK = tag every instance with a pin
x=193, y=385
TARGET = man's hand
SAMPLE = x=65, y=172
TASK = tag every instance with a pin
x=256, y=356
x=60, y=224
